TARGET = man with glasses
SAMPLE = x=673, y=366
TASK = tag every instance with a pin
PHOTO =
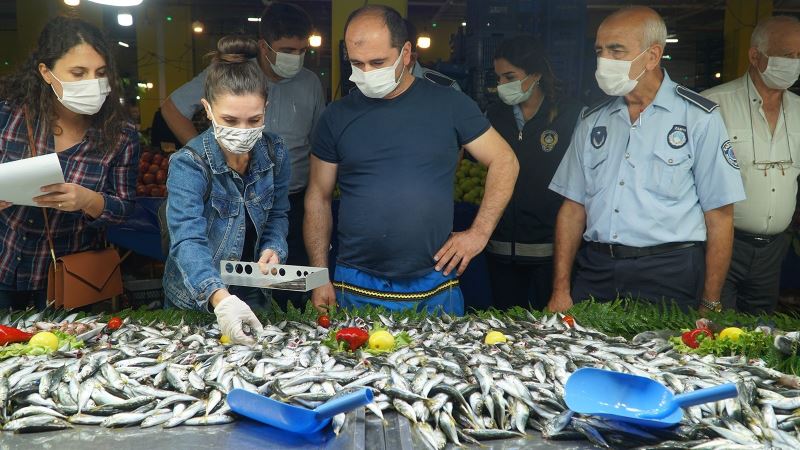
x=763, y=121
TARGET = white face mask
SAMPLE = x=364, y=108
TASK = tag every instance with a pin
x=286, y=65
x=236, y=140
x=511, y=93
x=377, y=83
x=612, y=75
x=83, y=97
x=781, y=73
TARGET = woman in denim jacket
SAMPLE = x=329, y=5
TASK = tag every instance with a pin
x=243, y=216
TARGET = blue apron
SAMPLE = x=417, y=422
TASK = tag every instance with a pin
x=433, y=292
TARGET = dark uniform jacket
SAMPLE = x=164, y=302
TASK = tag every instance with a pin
x=530, y=216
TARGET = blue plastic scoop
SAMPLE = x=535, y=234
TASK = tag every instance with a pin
x=634, y=399
x=294, y=418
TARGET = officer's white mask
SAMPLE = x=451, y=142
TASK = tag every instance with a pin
x=781, y=73
x=378, y=83
x=511, y=93
x=612, y=75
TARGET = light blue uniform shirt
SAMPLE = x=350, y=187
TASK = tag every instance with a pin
x=649, y=183
x=295, y=105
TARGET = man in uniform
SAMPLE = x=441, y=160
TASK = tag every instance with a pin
x=392, y=144
x=649, y=177
x=762, y=118
x=296, y=101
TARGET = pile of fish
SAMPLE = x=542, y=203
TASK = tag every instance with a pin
x=452, y=387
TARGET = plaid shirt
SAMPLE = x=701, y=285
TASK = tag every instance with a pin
x=24, y=251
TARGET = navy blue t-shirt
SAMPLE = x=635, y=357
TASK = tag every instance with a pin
x=396, y=166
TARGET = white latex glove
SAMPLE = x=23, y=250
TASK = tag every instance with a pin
x=231, y=313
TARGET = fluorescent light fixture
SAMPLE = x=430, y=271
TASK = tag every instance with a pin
x=254, y=19
x=123, y=44
x=118, y=2
x=315, y=40
x=125, y=19
x=672, y=40
x=717, y=75
x=666, y=57
x=72, y=2
x=424, y=42
x=463, y=24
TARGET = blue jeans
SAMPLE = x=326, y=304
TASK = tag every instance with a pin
x=17, y=300
x=432, y=293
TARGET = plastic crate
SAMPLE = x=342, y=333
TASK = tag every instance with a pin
x=148, y=293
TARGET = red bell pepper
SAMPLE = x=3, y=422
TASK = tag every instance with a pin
x=10, y=335
x=690, y=338
x=355, y=337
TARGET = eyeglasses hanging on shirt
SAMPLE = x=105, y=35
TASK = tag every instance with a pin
x=767, y=165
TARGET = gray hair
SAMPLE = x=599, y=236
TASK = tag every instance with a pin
x=653, y=30
x=760, y=37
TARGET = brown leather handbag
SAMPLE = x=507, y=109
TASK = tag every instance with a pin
x=82, y=278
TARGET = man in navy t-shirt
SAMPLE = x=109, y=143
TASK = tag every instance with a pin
x=393, y=145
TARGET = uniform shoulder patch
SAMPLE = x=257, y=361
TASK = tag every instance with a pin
x=696, y=99
x=588, y=111
x=438, y=78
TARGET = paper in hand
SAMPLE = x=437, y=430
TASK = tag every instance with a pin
x=22, y=180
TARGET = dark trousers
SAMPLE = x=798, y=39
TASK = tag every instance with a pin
x=676, y=275
x=527, y=284
x=297, y=250
x=753, y=281
x=18, y=300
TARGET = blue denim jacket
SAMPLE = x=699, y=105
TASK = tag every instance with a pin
x=204, y=233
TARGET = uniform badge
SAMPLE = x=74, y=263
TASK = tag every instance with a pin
x=548, y=139
x=598, y=136
x=677, y=136
x=730, y=156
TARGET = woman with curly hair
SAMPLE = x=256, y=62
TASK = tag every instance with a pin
x=68, y=92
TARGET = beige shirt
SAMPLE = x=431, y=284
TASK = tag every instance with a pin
x=771, y=192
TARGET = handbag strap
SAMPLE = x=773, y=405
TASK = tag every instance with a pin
x=31, y=143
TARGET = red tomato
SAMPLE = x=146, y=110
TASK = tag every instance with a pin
x=147, y=156
x=148, y=178
x=114, y=323
x=324, y=321
x=154, y=168
x=141, y=191
x=161, y=176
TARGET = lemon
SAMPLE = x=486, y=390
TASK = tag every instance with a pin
x=45, y=339
x=731, y=333
x=495, y=337
x=381, y=340
x=224, y=339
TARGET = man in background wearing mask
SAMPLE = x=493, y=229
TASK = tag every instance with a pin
x=392, y=145
x=296, y=101
x=762, y=120
x=649, y=177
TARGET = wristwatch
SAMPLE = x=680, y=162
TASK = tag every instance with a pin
x=713, y=305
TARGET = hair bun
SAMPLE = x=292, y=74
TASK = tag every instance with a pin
x=235, y=50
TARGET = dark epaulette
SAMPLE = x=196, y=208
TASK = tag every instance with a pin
x=696, y=99
x=438, y=78
x=588, y=111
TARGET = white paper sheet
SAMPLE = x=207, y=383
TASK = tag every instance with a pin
x=22, y=180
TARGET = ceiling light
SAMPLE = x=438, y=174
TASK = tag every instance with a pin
x=672, y=40
x=72, y=2
x=666, y=57
x=123, y=44
x=315, y=40
x=463, y=24
x=254, y=19
x=197, y=26
x=125, y=19
x=424, y=41
x=118, y=2
x=717, y=75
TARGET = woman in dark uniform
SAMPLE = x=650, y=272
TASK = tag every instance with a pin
x=537, y=121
